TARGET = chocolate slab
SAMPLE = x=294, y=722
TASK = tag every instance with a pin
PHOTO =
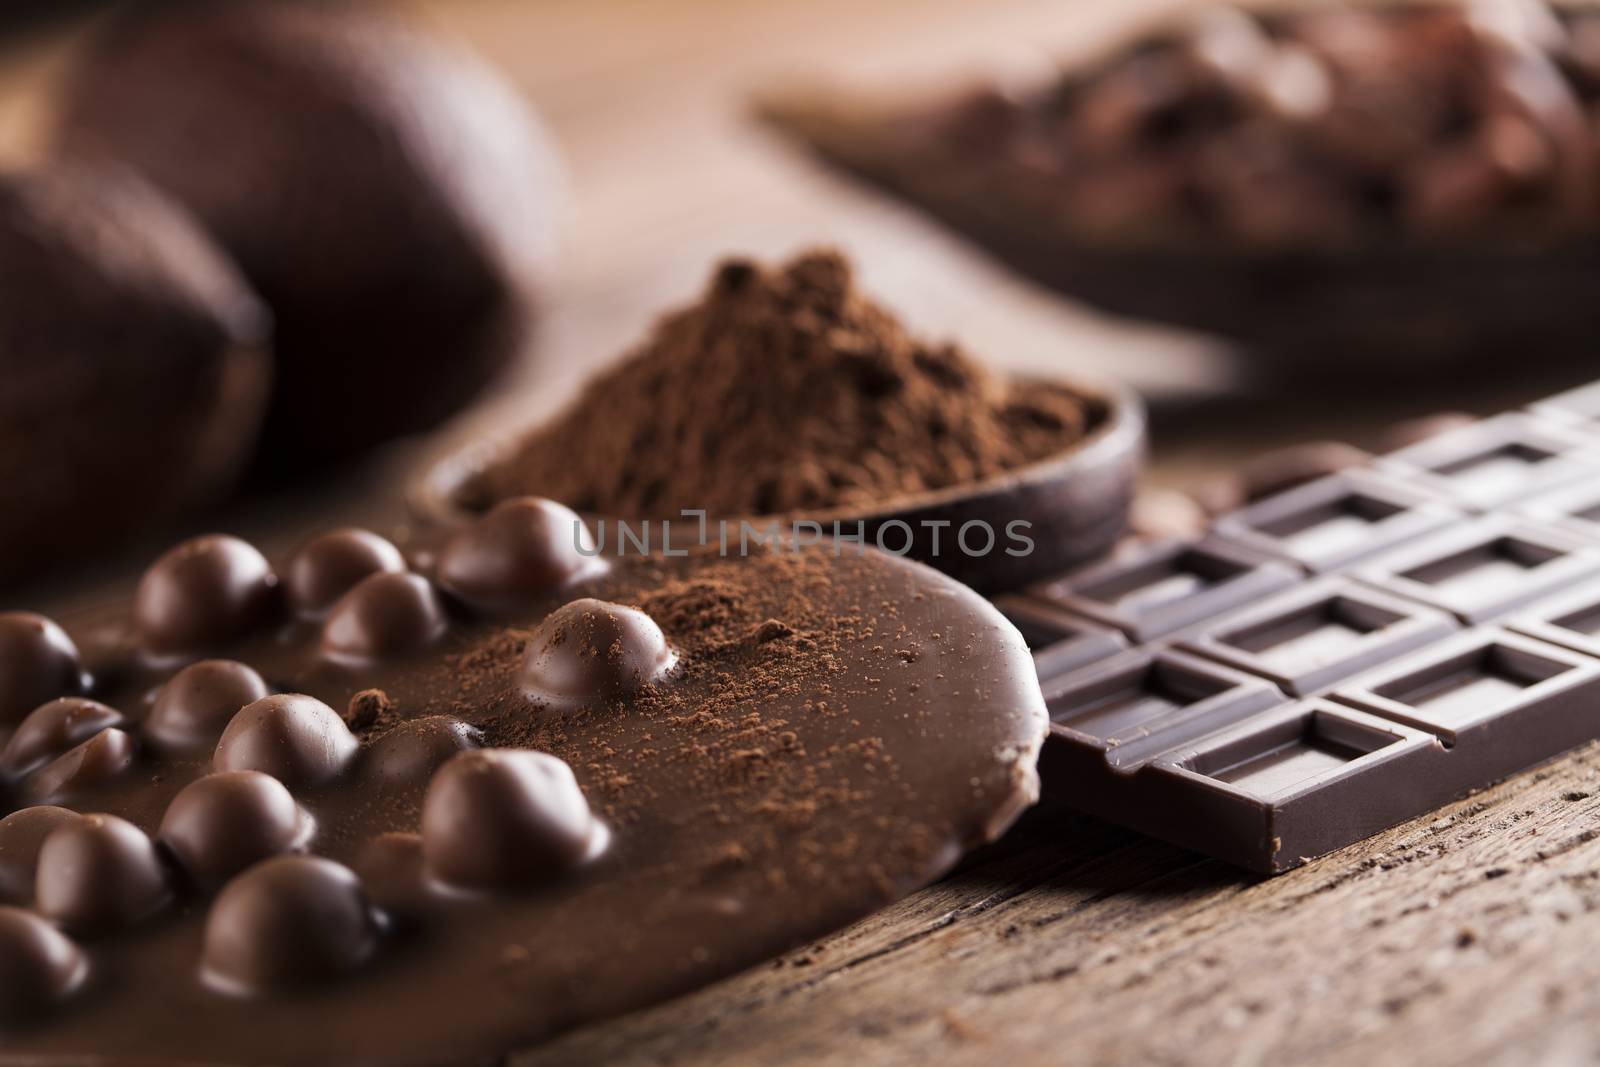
x=1061, y=642
x=1480, y=570
x=1570, y=619
x=615, y=804
x=1317, y=635
x=1574, y=508
x=1142, y=702
x=1486, y=465
x=1578, y=408
x=1336, y=521
x=1293, y=782
x=1155, y=590
x=1443, y=633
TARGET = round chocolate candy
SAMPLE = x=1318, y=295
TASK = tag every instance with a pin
x=54, y=728
x=287, y=922
x=522, y=550
x=222, y=823
x=590, y=650
x=409, y=754
x=39, y=966
x=100, y=873
x=329, y=566
x=297, y=739
x=204, y=593
x=22, y=833
x=197, y=703
x=103, y=757
x=384, y=616
x=501, y=819
x=38, y=662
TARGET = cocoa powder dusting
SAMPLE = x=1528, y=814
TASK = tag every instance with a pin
x=750, y=634
x=783, y=391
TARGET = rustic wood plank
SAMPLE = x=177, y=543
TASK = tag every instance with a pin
x=1465, y=935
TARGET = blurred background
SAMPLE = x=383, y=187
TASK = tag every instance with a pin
x=666, y=171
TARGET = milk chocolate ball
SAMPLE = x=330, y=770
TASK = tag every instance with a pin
x=100, y=873
x=329, y=566
x=297, y=739
x=589, y=651
x=53, y=729
x=203, y=593
x=22, y=834
x=524, y=549
x=383, y=617
x=503, y=819
x=39, y=966
x=222, y=823
x=38, y=662
x=410, y=753
x=134, y=361
x=285, y=923
x=107, y=755
x=388, y=195
x=197, y=703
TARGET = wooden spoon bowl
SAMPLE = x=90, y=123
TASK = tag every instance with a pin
x=1045, y=517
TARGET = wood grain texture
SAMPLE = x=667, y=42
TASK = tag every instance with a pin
x=1464, y=936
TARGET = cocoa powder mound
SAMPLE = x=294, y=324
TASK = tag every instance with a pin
x=781, y=391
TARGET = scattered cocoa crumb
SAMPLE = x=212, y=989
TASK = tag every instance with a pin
x=783, y=390
x=771, y=630
x=367, y=708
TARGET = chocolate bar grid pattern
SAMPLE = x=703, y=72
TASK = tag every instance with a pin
x=1342, y=656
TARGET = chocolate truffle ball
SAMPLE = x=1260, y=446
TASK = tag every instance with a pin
x=100, y=873
x=383, y=617
x=329, y=566
x=134, y=361
x=22, y=834
x=590, y=650
x=388, y=195
x=410, y=753
x=38, y=662
x=197, y=703
x=54, y=728
x=203, y=593
x=297, y=739
x=522, y=550
x=502, y=819
x=222, y=823
x=39, y=966
x=285, y=923
x=106, y=755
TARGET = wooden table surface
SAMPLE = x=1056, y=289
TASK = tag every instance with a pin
x=1466, y=935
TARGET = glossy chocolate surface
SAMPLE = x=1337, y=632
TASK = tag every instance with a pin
x=815, y=737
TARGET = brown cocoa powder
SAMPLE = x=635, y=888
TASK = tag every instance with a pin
x=781, y=391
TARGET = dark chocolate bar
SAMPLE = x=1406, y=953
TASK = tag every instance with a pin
x=1339, y=657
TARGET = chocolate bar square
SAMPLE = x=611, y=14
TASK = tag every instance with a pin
x=1314, y=637
x=1531, y=698
x=1570, y=619
x=1137, y=704
x=1495, y=462
x=1159, y=589
x=1336, y=521
x=1484, y=569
